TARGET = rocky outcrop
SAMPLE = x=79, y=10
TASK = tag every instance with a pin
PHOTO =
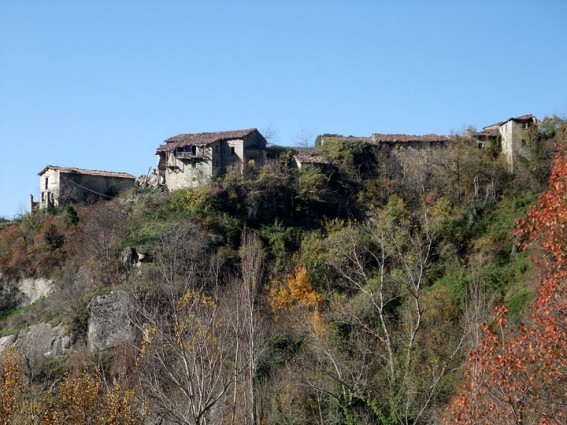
x=34, y=289
x=10, y=295
x=42, y=340
x=6, y=341
x=23, y=292
x=109, y=322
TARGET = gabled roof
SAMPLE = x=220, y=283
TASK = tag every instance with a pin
x=182, y=140
x=520, y=119
x=72, y=170
x=408, y=138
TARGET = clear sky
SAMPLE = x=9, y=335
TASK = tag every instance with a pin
x=101, y=84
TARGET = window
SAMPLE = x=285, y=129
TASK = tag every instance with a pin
x=46, y=182
x=232, y=150
x=194, y=150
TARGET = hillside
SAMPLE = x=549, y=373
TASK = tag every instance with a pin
x=348, y=292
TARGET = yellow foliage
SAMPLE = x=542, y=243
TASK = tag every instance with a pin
x=317, y=323
x=84, y=399
x=79, y=400
x=11, y=385
x=296, y=292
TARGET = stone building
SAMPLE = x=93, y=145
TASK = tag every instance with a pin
x=190, y=160
x=309, y=157
x=426, y=141
x=514, y=134
x=59, y=185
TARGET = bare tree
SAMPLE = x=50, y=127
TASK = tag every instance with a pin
x=186, y=354
x=251, y=266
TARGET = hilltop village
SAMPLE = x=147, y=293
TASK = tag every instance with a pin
x=191, y=160
x=365, y=280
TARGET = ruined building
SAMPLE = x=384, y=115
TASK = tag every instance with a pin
x=189, y=160
x=514, y=134
x=60, y=185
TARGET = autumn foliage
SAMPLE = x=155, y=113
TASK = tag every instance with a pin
x=79, y=399
x=519, y=375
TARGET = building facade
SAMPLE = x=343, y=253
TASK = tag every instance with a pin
x=60, y=185
x=514, y=134
x=190, y=160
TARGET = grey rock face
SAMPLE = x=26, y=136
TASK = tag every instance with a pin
x=34, y=289
x=41, y=341
x=10, y=296
x=6, y=341
x=109, y=324
x=23, y=292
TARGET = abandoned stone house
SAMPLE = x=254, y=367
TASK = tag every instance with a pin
x=396, y=141
x=513, y=133
x=308, y=157
x=60, y=185
x=189, y=160
x=408, y=141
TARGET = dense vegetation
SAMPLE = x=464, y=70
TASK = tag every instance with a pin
x=350, y=293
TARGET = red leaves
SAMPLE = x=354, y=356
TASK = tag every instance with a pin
x=519, y=375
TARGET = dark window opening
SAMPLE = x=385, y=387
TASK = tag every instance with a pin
x=46, y=182
x=232, y=150
x=194, y=150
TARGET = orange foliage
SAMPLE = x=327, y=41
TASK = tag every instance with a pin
x=297, y=291
x=519, y=376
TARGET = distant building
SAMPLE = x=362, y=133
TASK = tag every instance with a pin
x=426, y=141
x=60, y=185
x=309, y=156
x=514, y=134
x=189, y=160
x=391, y=141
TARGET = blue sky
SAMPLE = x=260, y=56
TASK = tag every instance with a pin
x=100, y=84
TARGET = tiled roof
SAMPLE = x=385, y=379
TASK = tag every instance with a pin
x=308, y=156
x=182, y=140
x=528, y=117
x=408, y=138
x=522, y=118
x=355, y=139
x=72, y=170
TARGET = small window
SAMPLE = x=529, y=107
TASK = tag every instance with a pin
x=46, y=182
x=194, y=150
x=232, y=150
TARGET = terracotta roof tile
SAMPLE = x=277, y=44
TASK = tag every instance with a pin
x=522, y=118
x=73, y=170
x=308, y=156
x=408, y=138
x=189, y=139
